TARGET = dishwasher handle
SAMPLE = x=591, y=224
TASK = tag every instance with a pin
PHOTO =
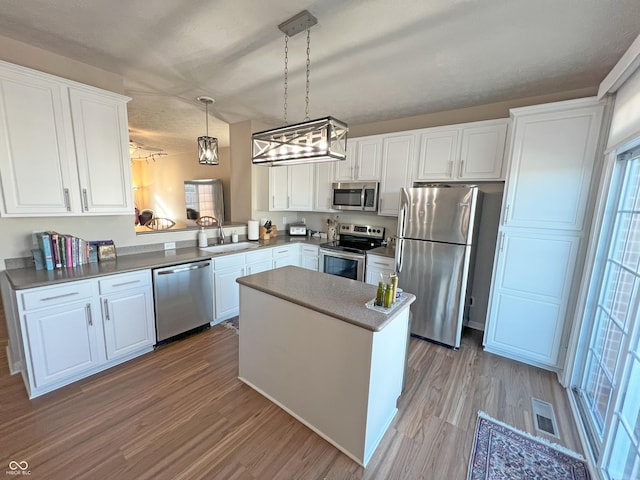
x=189, y=267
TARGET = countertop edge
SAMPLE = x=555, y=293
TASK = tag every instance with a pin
x=382, y=319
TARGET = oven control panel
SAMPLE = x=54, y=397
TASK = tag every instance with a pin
x=361, y=230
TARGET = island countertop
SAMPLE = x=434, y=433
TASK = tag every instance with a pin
x=332, y=295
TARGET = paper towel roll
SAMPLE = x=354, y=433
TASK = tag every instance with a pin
x=253, y=230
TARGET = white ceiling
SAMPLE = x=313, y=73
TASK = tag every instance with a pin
x=371, y=60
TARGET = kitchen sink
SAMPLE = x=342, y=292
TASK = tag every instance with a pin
x=230, y=247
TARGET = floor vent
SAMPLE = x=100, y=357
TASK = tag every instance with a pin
x=544, y=418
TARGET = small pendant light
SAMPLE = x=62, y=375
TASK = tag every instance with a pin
x=207, y=146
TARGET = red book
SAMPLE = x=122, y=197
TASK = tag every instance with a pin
x=69, y=247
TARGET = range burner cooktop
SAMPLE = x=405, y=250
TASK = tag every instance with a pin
x=356, y=238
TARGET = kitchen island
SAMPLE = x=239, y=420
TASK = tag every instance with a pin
x=309, y=344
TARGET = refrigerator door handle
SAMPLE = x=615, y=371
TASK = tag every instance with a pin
x=402, y=214
x=399, y=251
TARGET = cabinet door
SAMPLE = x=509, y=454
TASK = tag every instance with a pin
x=227, y=291
x=36, y=152
x=376, y=266
x=309, y=257
x=397, y=172
x=279, y=188
x=287, y=255
x=301, y=187
x=128, y=322
x=438, y=154
x=482, y=152
x=323, y=181
x=368, y=159
x=101, y=139
x=530, y=295
x=552, y=159
x=62, y=342
x=344, y=169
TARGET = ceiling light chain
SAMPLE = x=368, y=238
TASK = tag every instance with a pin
x=311, y=141
x=306, y=111
x=286, y=74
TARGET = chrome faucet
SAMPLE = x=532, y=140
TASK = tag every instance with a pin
x=220, y=232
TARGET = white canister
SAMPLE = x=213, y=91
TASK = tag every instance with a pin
x=202, y=238
x=253, y=230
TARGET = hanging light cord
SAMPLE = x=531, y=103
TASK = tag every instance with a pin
x=306, y=111
x=206, y=113
x=286, y=74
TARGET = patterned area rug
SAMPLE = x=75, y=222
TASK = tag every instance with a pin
x=502, y=452
x=232, y=323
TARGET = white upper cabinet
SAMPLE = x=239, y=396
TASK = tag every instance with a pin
x=397, y=171
x=64, y=147
x=323, y=192
x=465, y=152
x=364, y=160
x=291, y=187
x=552, y=156
x=100, y=130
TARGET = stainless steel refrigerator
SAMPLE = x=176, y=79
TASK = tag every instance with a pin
x=437, y=229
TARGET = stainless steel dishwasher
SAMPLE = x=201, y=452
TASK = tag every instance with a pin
x=183, y=297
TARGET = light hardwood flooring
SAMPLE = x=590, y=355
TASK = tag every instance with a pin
x=181, y=413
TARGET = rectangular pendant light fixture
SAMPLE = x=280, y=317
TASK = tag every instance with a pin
x=313, y=141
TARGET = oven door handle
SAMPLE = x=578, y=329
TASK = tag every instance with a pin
x=339, y=254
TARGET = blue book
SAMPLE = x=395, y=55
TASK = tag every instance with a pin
x=44, y=242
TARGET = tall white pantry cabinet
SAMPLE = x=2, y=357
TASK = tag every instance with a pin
x=542, y=231
x=63, y=147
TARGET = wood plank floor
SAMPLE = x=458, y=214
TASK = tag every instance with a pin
x=181, y=413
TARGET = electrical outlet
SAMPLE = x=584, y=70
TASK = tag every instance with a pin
x=304, y=220
x=284, y=221
x=169, y=245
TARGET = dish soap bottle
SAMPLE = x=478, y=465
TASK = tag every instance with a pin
x=202, y=238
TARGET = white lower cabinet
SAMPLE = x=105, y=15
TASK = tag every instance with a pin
x=259, y=261
x=286, y=255
x=530, y=298
x=378, y=265
x=226, y=289
x=309, y=257
x=65, y=336
x=62, y=342
x=127, y=313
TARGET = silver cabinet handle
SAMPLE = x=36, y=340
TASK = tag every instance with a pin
x=125, y=283
x=461, y=168
x=87, y=310
x=86, y=202
x=106, y=309
x=67, y=203
x=451, y=168
x=501, y=241
x=46, y=299
x=506, y=214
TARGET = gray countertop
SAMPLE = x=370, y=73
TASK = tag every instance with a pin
x=338, y=297
x=386, y=251
x=22, y=278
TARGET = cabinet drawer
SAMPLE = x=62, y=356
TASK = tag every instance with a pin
x=117, y=283
x=309, y=250
x=49, y=296
x=229, y=261
x=259, y=256
x=280, y=252
x=380, y=262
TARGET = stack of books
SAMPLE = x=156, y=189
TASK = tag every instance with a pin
x=66, y=251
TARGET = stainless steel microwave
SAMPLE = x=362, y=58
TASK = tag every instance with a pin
x=361, y=196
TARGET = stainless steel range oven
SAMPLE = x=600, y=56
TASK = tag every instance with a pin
x=346, y=257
